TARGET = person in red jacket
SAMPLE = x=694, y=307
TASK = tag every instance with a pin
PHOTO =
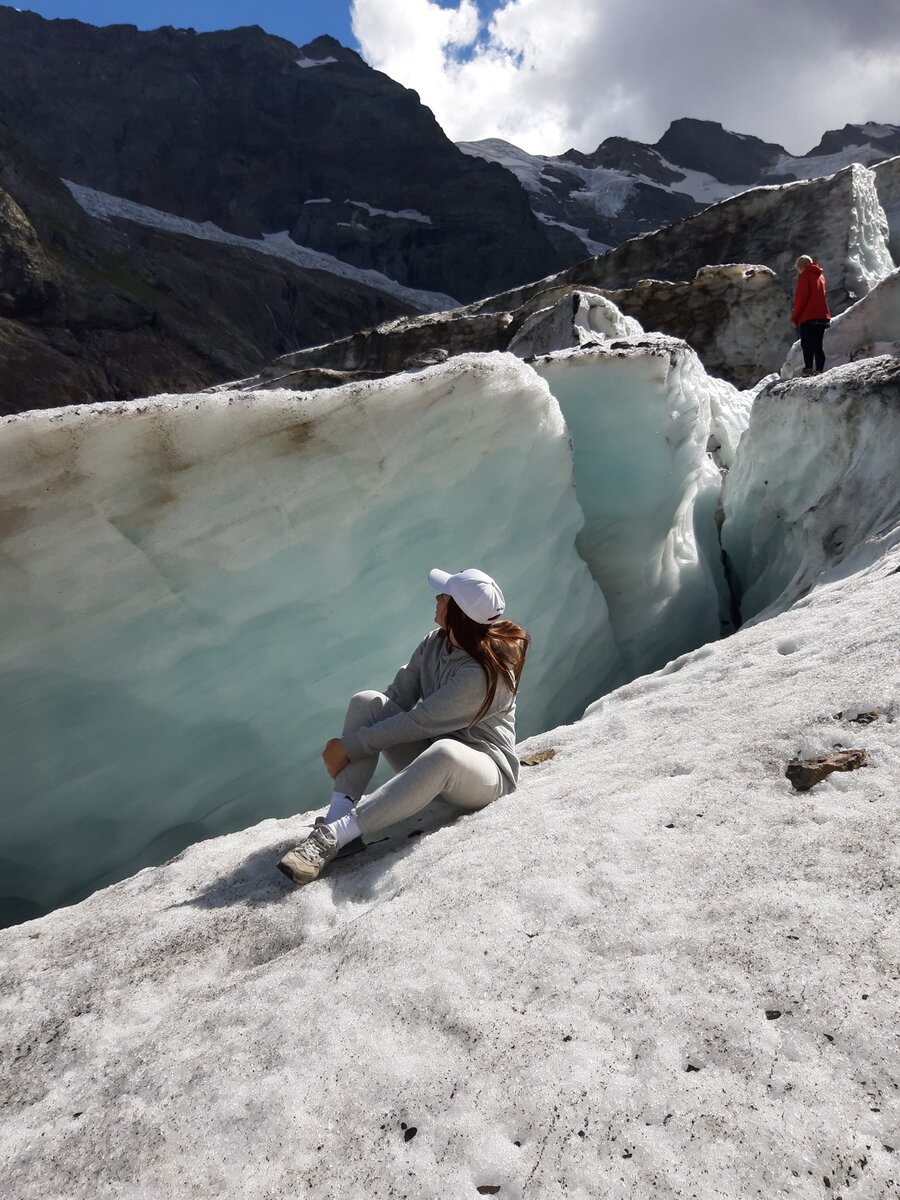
x=810, y=313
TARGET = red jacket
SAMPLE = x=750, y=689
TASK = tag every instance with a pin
x=810, y=303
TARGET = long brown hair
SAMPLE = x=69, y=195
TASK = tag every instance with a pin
x=499, y=649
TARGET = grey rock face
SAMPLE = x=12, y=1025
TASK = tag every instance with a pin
x=885, y=138
x=91, y=311
x=554, y=319
x=733, y=315
x=706, y=146
x=227, y=127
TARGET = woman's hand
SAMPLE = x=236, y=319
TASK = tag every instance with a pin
x=334, y=757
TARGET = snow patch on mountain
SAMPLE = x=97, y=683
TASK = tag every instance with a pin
x=590, y=245
x=703, y=188
x=278, y=245
x=315, y=62
x=404, y=214
x=825, y=164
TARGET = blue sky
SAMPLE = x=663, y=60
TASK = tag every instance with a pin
x=297, y=20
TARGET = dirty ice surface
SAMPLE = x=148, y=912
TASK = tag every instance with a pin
x=814, y=482
x=655, y=971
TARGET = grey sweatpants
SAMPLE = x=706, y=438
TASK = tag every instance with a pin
x=442, y=767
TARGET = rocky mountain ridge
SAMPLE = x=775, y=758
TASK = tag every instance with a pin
x=626, y=188
x=260, y=136
x=197, y=158
x=99, y=310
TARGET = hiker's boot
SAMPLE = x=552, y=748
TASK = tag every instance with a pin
x=306, y=862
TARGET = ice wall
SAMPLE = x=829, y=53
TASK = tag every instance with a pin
x=815, y=481
x=191, y=588
x=868, y=250
x=887, y=180
x=867, y=329
x=641, y=413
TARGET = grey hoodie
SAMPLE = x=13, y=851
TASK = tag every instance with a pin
x=440, y=690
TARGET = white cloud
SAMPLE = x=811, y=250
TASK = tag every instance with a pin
x=549, y=74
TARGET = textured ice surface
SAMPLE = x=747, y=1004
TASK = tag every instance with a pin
x=815, y=482
x=653, y=972
x=641, y=413
x=191, y=589
x=278, y=245
x=580, y=318
x=867, y=329
x=887, y=180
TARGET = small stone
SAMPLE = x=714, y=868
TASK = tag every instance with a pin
x=532, y=760
x=772, y=1014
x=805, y=773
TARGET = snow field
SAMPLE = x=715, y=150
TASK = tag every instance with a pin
x=654, y=971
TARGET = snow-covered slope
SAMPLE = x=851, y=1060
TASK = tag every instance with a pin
x=600, y=205
x=655, y=971
x=279, y=245
x=627, y=188
x=815, y=483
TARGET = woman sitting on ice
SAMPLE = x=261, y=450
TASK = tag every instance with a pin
x=446, y=725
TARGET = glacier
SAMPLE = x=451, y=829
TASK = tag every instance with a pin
x=191, y=591
x=181, y=578
x=654, y=971
x=640, y=412
x=815, y=482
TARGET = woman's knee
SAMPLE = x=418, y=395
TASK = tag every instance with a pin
x=363, y=704
x=442, y=757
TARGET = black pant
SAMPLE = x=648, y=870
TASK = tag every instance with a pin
x=811, y=336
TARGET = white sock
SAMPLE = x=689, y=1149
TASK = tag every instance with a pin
x=339, y=806
x=345, y=829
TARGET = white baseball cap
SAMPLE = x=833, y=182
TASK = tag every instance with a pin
x=477, y=594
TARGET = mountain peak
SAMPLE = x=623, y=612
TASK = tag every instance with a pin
x=326, y=47
x=883, y=137
x=707, y=146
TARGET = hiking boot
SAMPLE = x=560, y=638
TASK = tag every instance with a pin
x=807, y=371
x=306, y=862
